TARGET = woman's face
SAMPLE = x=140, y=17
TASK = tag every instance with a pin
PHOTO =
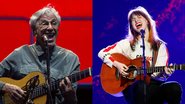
x=138, y=22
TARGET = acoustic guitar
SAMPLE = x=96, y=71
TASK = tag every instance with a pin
x=35, y=86
x=112, y=82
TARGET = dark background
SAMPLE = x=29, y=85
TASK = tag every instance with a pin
x=110, y=25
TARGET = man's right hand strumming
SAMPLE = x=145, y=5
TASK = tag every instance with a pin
x=15, y=92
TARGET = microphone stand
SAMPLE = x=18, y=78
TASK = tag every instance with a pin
x=144, y=63
x=48, y=81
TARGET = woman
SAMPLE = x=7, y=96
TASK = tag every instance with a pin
x=157, y=91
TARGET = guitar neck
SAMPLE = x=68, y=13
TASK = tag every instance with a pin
x=42, y=89
x=80, y=75
x=161, y=68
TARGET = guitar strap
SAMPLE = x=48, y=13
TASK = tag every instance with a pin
x=154, y=59
x=155, y=54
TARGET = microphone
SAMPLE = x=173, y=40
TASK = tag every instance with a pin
x=45, y=38
x=142, y=31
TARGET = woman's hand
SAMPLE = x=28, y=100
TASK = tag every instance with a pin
x=168, y=70
x=122, y=68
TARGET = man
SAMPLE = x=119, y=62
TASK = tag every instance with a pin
x=28, y=58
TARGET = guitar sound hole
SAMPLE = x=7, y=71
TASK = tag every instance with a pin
x=131, y=68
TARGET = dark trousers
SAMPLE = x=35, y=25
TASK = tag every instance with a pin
x=156, y=92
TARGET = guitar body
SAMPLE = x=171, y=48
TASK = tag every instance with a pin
x=112, y=82
x=35, y=85
x=21, y=83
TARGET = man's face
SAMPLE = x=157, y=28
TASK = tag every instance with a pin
x=47, y=25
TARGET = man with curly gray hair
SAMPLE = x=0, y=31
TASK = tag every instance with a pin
x=30, y=58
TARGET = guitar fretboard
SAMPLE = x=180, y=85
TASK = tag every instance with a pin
x=161, y=69
x=42, y=89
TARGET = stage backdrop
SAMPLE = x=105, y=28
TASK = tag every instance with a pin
x=110, y=25
x=75, y=32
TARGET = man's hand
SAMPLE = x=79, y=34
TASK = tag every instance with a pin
x=67, y=91
x=122, y=68
x=15, y=93
x=65, y=85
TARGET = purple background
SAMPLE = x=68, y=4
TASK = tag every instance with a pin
x=110, y=25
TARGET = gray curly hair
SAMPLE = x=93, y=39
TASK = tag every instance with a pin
x=39, y=13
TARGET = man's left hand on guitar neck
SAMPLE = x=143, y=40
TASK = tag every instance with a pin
x=67, y=91
x=65, y=85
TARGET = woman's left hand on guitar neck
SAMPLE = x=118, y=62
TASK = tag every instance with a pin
x=169, y=70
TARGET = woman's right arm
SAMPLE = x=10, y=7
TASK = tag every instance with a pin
x=119, y=47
